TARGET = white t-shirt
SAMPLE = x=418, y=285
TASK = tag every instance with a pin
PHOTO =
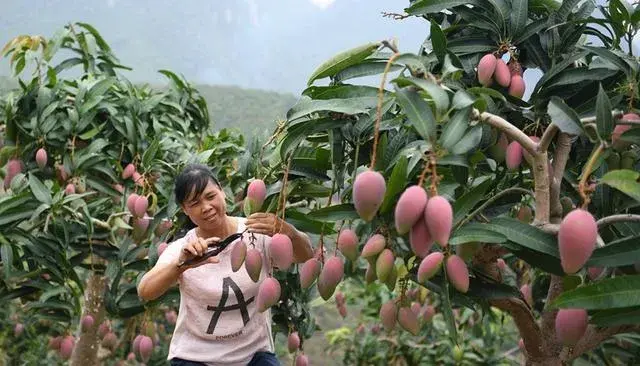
x=218, y=320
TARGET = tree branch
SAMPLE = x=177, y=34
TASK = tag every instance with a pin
x=549, y=228
x=548, y=322
x=560, y=158
x=492, y=200
x=540, y=164
x=592, y=339
x=617, y=218
x=541, y=181
x=512, y=131
x=617, y=114
x=547, y=137
x=526, y=323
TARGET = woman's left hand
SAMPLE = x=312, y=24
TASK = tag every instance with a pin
x=264, y=223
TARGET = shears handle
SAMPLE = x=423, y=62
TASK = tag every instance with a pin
x=217, y=248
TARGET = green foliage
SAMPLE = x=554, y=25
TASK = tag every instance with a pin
x=485, y=340
x=435, y=125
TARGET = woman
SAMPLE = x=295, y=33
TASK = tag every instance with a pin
x=218, y=322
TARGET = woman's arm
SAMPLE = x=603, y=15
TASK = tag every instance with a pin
x=166, y=271
x=158, y=280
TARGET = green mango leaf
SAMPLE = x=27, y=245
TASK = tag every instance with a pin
x=447, y=310
x=99, y=88
x=364, y=69
x=424, y=7
x=616, y=60
x=341, y=91
x=7, y=257
x=459, y=160
x=150, y=152
x=577, y=76
x=470, y=45
x=455, y=129
x=525, y=235
x=631, y=135
x=298, y=132
x=438, y=41
x=543, y=261
x=564, y=117
x=396, y=184
x=462, y=100
x=609, y=293
x=519, y=16
x=175, y=78
x=304, y=223
x=415, y=63
x=621, y=252
x=476, y=233
x=625, y=180
x=343, y=60
x=92, y=132
x=464, y=204
x=418, y=111
x=39, y=190
x=604, y=119
x=469, y=141
x=345, y=211
x=488, y=290
x=349, y=106
x=532, y=28
x=438, y=95
x=616, y=317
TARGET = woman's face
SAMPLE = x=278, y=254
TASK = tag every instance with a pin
x=207, y=210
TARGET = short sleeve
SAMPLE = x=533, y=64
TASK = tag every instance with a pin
x=172, y=253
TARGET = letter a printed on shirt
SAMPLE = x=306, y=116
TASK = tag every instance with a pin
x=236, y=310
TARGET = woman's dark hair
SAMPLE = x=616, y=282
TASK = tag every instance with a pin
x=193, y=179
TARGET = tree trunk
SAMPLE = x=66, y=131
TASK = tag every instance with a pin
x=550, y=361
x=87, y=345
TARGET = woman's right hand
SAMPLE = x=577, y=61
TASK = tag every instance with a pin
x=195, y=248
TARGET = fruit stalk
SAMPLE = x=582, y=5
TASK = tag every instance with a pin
x=379, y=109
x=282, y=204
x=491, y=200
x=434, y=176
x=425, y=170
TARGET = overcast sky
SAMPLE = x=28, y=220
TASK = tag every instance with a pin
x=262, y=44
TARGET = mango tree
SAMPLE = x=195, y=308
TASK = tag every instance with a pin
x=87, y=203
x=445, y=178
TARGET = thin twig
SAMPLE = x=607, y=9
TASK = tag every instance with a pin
x=617, y=218
x=379, y=110
x=615, y=114
x=510, y=130
x=492, y=200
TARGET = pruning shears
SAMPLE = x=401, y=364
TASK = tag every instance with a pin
x=214, y=249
